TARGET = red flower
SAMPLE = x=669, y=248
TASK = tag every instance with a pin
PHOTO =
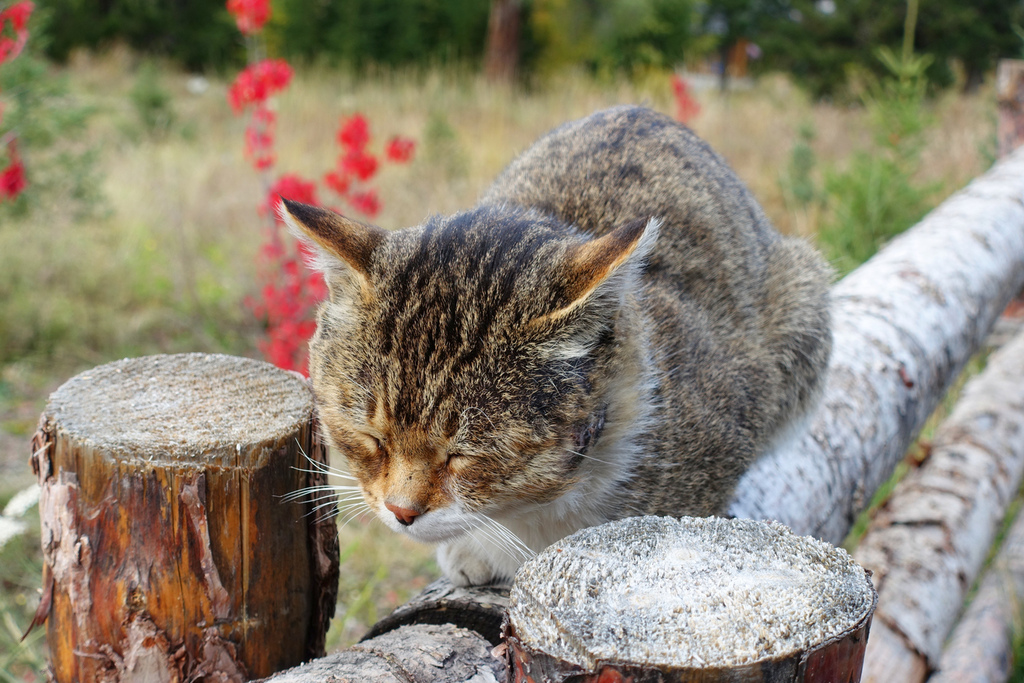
x=359, y=163
x=250, y=15
x=258, y=82
x=17, y=14
x=12, y=178
x=290, y=186
x=339, y=182
x=354, y=132
x=399, y=149
x=365, y=202
x=259, y=138
x=686, y=106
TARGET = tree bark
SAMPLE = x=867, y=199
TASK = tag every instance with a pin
x=905, y=324
x=502, y=56
x=929, y=541
x=169, y=553
x=980, y=649
x=424, y=653
x=477, y=608
x=704, y=600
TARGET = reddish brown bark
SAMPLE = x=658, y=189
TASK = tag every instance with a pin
x=502, y=55
x=169, y=553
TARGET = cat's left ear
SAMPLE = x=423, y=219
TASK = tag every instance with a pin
x=599, y=264
x=345, y=246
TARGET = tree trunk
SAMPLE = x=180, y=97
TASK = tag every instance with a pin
x=169, y=552
x=502, y=56
x=981, y=648
x=928, y=543
x=704, y=600
x=905, y=324
x=1010, y=92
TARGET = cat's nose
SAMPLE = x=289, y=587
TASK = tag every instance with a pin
x=405, y=516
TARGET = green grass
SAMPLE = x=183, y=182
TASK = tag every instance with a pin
x=21, y=565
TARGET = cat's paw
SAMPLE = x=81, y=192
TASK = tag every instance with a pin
x=462, y=564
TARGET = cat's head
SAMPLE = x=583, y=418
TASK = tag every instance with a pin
x=462, y=366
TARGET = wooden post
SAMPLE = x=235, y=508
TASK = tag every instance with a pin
x=689, y=601
x=1010, y=94
x=169, y=552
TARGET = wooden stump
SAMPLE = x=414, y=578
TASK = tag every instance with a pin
x=169, y=552
x=690, y=600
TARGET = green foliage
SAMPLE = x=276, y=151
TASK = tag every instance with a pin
x=611, y=35
x=797, y=183
x=820, y=48
x=195, y=33
x=392, y=32
x=877, y=196
x=48, y=125
x=441, y=147
x=152, y=102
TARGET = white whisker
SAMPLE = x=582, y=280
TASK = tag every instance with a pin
x=588, y=457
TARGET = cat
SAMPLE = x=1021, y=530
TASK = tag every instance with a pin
x=616, y=329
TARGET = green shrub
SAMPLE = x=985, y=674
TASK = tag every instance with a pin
x=877, y=196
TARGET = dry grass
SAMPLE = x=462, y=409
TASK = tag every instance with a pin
x=167, y=264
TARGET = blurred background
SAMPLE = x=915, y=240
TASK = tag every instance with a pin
x=140, y=140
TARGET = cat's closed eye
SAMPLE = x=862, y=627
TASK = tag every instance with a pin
x=374, y=443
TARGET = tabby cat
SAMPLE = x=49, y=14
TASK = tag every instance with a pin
x=615, y=329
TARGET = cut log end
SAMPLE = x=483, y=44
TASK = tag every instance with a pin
x=689, y=598
x=181, y=407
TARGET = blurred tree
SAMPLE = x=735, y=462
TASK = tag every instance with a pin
x=196, y=33
x=608, y=35
x=502, y=56
x=393, y=32
x=821, y=42
x=733, y=20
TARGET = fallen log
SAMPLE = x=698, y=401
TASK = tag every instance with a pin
x=927, y=544
x=169, y=553
x=424, y=653
x=980, y=649
x=689, y=600
x=905, y=324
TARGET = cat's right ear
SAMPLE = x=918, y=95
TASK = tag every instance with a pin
x=344, y=246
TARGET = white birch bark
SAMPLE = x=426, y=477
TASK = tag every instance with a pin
x=928, y=543
x=980, y=649
x=905, y=323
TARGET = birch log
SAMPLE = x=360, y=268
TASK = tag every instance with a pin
x=927, y=544
x=423, y=653
x=980, y=649
x=905, y=324
x=169, y=553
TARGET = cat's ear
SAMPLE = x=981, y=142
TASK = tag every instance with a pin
x=601, y=263
x=339, y=241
